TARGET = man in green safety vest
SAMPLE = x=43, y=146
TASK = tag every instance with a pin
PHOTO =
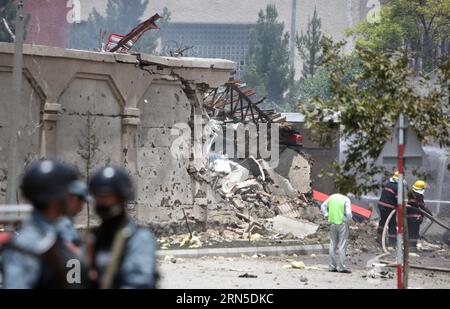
x=338, y=209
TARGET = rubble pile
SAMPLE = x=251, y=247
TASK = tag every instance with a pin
x=264, y=204
x=258, y=194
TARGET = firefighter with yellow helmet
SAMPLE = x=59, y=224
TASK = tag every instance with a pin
x=414, y=215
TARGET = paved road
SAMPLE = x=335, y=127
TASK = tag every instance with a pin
x=223, y=273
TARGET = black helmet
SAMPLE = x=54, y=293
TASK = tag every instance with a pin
x=47, y=180
x=112, y=179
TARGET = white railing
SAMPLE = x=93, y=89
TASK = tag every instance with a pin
x=14, y=213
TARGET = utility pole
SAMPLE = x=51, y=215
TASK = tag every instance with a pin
x=11, y=190
x=293, y=32
x=402, y=230
x=403, y=149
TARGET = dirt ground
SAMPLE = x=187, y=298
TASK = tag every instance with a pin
x=272, y=273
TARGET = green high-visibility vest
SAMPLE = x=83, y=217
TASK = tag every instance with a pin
x=336, y=208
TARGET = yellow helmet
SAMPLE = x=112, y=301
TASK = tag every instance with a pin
x=395, y=176
x=419, y=186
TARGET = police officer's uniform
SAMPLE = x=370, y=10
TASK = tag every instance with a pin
x=68, y=232
x=65, y=225
x=138, y=265
x=119, y=240
x=37, y=257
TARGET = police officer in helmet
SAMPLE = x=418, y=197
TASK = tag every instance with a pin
x=121, y=254
x=78, y=197
x=37, y=257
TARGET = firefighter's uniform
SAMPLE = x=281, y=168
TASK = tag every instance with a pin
x=387, y=204
x=414, y=215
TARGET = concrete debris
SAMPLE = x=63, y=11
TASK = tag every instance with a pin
x=278, y=184
x=256, y=237
x=382, y=275
x=170, y=259
x=193, y=242
x=238, y=203
x=296, y=169
x=221, y=166
x=298, y=265
x=240, y=270
x=258, y=193
x=237, y=177
x=164, y=244
x=301, y=265
x=379, y=272
x=260, y=255
x=247, y=275
x=287, y=210
x=300, y=229
x=426, y=246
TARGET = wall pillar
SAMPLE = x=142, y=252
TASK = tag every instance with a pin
x=200, y=188
x=48, y=131
x=130, y=122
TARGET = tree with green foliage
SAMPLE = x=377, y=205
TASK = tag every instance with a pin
x=419, y=26
x=268, y=68
x=319, y=85
x=309, y=47
x=368, y=105
x=121, y=17
x=315, y=86
x=8, y=9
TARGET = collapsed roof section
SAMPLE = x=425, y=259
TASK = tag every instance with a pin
x=233, y=103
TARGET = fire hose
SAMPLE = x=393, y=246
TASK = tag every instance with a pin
x=386, y=252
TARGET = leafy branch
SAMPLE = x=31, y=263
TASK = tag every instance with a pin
x=368, y=103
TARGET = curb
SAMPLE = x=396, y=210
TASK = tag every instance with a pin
x=237, y=252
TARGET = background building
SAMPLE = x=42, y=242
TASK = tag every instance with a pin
x=48, y=24
x=220, y=29
x=214, y=28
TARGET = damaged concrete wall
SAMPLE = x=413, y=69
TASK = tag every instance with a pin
x=163, y=180
x=29, y=127
x=296, y=168
x=92, y=109
x=88, y=129
x=323, y=156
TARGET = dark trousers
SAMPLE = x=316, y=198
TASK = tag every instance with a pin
x=413, y=232
x=392, y=228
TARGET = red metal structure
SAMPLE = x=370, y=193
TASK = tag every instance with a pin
x=123, y=43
